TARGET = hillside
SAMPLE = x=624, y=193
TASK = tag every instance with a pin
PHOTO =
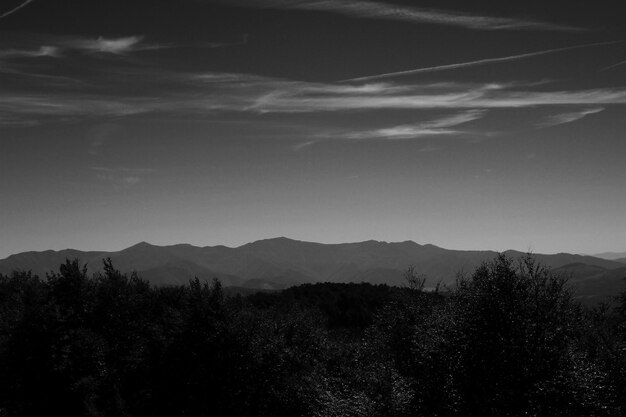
x=593, y=283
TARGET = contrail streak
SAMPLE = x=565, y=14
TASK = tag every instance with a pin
x=619, y=64
x=480, y=62
x=5, y=14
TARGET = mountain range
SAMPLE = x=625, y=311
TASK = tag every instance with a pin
x=613, y=256
x=281, y=262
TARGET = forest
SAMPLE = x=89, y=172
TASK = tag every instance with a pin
x=508, y=339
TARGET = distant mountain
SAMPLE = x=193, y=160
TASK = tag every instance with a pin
x=593, y=283
x=613, y=256
x=281, y=262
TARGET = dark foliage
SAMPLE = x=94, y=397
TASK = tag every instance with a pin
x=347, y=306
x=507, y=341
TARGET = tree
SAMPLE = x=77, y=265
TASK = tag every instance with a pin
x=518, y=325
x=414, y=280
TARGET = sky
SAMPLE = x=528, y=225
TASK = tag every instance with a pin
x=491, y=125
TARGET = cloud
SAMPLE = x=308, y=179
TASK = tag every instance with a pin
x=386, y=11
x=13, y=121
x=43, y=51
x=553, y=98
x=117, y=46
x=434, y=96
x=619, y=64
x=58, y=47
x=194, y=94
x=128, y=44
x=121, y=178
x=437, y=127
x=258, y=95
x=67, y=46
x=122, y=170
x=413, y=131
x=15, y=9
x=570, y=117
x=302, y=98
x=68, y=105
x=302, y=145
x=479, y=62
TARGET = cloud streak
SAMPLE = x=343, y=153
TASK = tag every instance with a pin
x=10, y=12
x=384, y=11
x=43, y=51
x=117, y=46
x=434, y=96
x=69, y=105
x=480, y=62
x=437, y=127
x=570, y=117
x=619, y=64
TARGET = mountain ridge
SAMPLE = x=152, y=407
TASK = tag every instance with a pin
x=613, y=256
x=281, y=262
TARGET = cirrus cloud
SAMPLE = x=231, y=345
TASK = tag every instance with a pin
x=569, y=117
x=117, y=46
x=388, y=11
x=186, y=95
x=436, y=127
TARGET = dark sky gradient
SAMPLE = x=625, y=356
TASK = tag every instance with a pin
x=490, y=125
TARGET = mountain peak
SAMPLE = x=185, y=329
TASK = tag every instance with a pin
x=278, y=240
x=282, y=239
x=141, y=245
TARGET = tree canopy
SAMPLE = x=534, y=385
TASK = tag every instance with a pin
x=507, y=340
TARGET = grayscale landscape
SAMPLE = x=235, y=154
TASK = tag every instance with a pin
x=312, y=208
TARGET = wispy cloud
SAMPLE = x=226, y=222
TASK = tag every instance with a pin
x=315, y=98
x=16, y=121
x=122, y=170
x=121, y=178
x=193, y=95
x=58, y=47
x=563, y=118
x=117, y=46
x=619, y=64
x=15, y=9
x=43, y=51
x=437, y=127
x=68, y=46
x=435, y=96
x=480, y=62
x=306, y=144
x=68, y=105
x=386, y=11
